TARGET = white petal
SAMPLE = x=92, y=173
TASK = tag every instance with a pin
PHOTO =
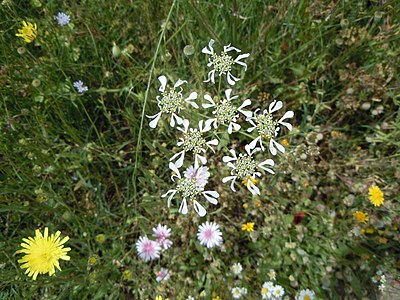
x=269, y=162
x=252, y=145
x=179, y=161
x=274, y=106
x=250, y=129
x=154, y=122
x=183, y=208
x=236, y=127
x=208, y=123
x=209, y=99
x=230, y=48
x=211, y=75
x=175, y=169
x=198, y=158
x=230, y=178
x=287, y=115
x=230, y=128
x=253, y=188
x=185, y=124
x=199, y=209
x=228, y=94
x=213, y=142
x=226, y=159
x=179, y=82
x=173, y=192
x=210, y=45
x=211, y=196
x=163, y=81
x=245, y=55
x=237, y=60
x=279, y=146
x=232, y=80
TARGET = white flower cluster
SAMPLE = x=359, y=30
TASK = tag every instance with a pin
x=380, y=279
x=198, y=141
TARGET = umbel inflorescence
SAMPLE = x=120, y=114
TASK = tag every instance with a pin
x=221, y=111
x=197, y=140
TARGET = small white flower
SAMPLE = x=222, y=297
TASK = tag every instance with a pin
x=236, y=292
x=62, y=19
x=266, y=291
x=222, y=63
x=243, y=291
x=237, y=268
x=272, y=274
x=226, y=113
x=268, y=128
x=306, y=295
x=190, y=190
x=147, y=249
x=209, y=234
x=189, y=298
x=278, y=291
x=80, y=87
x=193, y=141
x=201, y=175
x=245, y=168
x=162, y=234
x=171, y=102
x=163, y=275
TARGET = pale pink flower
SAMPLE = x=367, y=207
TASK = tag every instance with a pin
x=201, y=175
x=162, y=234
x=163, y=275
x=147, y=249
x=209, y=234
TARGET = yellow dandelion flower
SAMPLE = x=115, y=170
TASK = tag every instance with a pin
x=246, y=181
x=336, y=134
x=28, y=32
x=285, y=142
x=249, y=226
x=361, y=216
x=376, y=195
x=42, y=253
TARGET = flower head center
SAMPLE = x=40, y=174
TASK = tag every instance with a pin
x=307, y=297
x=193, y=141
x=188, y=188
x=222, y=63
x=171, y=101
x=266, y=125
x=225, y=112
x=245, y=166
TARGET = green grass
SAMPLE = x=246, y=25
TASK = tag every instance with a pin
x=89, y=165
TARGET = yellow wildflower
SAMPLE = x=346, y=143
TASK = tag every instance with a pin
x=257, y=203
x=336, y=134
x=28, y=32
x=285, y=142
x=42, y=253
x=249, y=226
x=361, y=216
x=376, y=195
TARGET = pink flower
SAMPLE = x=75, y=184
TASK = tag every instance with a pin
x=201, y=175
x=162, y=234
x=209, y=234
x=147, y=249
x=163, y=275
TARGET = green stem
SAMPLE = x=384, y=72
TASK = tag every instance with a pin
x=139, y=141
